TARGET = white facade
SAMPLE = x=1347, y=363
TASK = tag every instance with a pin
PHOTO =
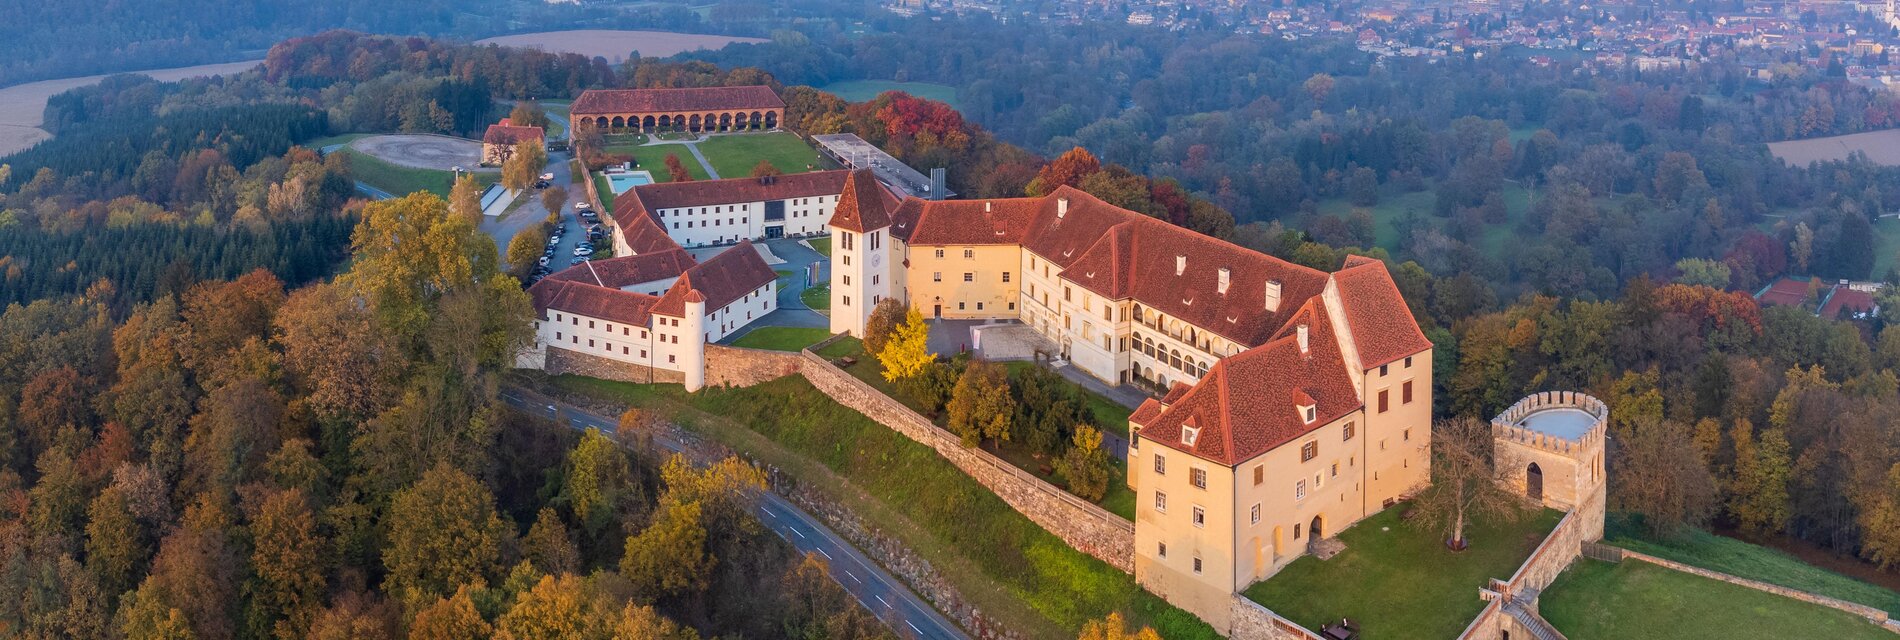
x=720, y=224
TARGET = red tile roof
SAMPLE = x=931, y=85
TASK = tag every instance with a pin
x=594, y=301
x=1234, y=425
x=640, y=228
x=612, y=101
x=510, y=134
x=1381, y=323
x=721, y=279
x=646, y=201
x=627, y=271
x=864, y=204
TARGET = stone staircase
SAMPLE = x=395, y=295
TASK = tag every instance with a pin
x=1527, y=618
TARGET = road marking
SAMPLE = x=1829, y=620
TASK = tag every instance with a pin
x=854, y=577
x=795, y=530
x=827, y=554
x=914, y=628
x=880, y=600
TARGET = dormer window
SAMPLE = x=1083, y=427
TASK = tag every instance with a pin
x=1309, y=413
x=1189, y=435
x=1307, y=407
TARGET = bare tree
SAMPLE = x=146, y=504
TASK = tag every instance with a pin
x=1660, y=474
x=1466, y=483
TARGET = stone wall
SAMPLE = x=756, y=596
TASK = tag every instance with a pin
x=1555, y=554
x=741, y=367
x=1083, y=525
x=562, y=361
x=1254, y=622
x=1877, y=616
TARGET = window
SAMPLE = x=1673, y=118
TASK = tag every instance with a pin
x=1068, y=294
x=1299, y=492
x=1197, y=565
x=1256, y=513
x=936, y=276
x=1200, y=517
x=969, y=276
x=1309, y=413
x=557, y=335
x=959, y=306
x=1189, y=435
x=1161, y=502
x=1335, y=469
x=1346, y=432
x=1259, y=474
x=1161, y=465
x=847, y=301
x=1408, y=362
x=979, y=306
x=847, y=280
x=1408, y=435
x=1309, y=451
x=1198, y=478
x=1005, y=276
x=671, y=358
x=1405, y=393
x=1296, y=531
x=969, y=253
x=1382, y=399
x=939, y=253
x=1382, y=369
x=1161, y=549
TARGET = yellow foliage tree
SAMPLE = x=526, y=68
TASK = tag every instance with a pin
x=907, y=351
x=1114, y=628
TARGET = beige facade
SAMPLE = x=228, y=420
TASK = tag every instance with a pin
x=978, y=281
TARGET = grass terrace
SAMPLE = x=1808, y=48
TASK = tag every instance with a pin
x=818, y=297
x=1752, y=561
x=1596, y=600
x=1398, y=581
x=1027, y=579
x=734, y=155
x=782, y=338
x=401, y=181
x=821, y=245
x=865, y=90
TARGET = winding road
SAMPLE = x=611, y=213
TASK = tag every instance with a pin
x=905, y=613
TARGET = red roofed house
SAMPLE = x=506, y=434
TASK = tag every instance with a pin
x=498, y=143
x=714, y=212
x=689, y=109
x=1299, y=401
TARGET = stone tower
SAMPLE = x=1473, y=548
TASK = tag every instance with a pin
x=1549, y=448
x=695, y=330
x=862, y=251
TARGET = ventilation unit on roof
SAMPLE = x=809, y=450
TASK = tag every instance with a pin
x=1180, y=264
x=1273, y=295
x=1222, y=285
x=1062, y=207
x=986, y=206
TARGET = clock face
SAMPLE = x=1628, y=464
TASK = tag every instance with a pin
x=877, y=259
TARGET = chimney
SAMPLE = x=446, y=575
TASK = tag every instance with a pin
x=1303, y=338
x=1180, y=264
x=1062, y=207
x=986, y=206
x=1224, y=274
x=1273, y=295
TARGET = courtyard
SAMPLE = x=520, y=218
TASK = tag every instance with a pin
x=1595, y=600
x=1399, y=581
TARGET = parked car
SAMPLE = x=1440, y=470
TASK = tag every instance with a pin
x=576, y=260
x=583, y=251
x=547, y=176
x=583, y=206
x=544, y=260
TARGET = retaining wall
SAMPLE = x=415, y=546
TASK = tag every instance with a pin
x=1083, y=525
x=742, y=367
x=560, y=361
x=1254, y=622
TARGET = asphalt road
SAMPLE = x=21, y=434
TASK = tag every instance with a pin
x=905, y=613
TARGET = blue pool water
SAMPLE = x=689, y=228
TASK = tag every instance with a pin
x=621, y=182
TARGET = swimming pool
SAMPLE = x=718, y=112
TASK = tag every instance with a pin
x=621, y=182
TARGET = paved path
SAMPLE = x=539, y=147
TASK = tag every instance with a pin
x=792, y=311
x=373, y=192
x=880, y=593
x=710, y=173
x=530, y=212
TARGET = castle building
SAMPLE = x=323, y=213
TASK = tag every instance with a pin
x=689, y=109
x=715, y=212
x=1297, y=401
x=499, y=141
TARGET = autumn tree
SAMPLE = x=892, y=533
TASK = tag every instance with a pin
x=523, y=167
x=553, y=198
x=1758, y=486
x=528, y=113
x=556, y=608
x=1660, y=474
x=1318, y=87
x=1466, y=481
x=343, y=366
x=819, y=608
x=451, y=618
x=886, y=316
x=289, y=560
x=465, y=198
x=116, y=547
x=525, y=250
x=443, y=533
x=548, y=544
x=676, y=170
x=669, y=557
x=356, y=616
x=765, y=168
x=1066, y=170
x=599, y=485
x=980, y=405
x=1114, y=628
x=1085, y=465
x=907, y=351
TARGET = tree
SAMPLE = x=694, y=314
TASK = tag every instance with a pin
x=599, y=482
x=548, y=544
x=1466, y=481
x=443, y=533
x=1319, y=86
x=525, y=250
x=465, y=198
x=553, y=198
x=1702, y=272
x=334, y=354
x=637, y=622
x=147, y=617
x=1758, y=487
x=1114, y=628
x=669, y=557
x=557, y=608
x=451, y=618
x=1085, y=465
x=980, y=405
x=356, y=616
x=676, y=170
x=1362, y=187
x=1660, y=474
x=886, y=316
x=907, y=351
x=116, y=550
x=765, y=168
x=1802, y=247
x=523, y=167
x=289, y=559
x=528, y=113
x=1066, y=170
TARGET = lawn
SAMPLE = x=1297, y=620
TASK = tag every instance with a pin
x=652, y=158
x=1399, y=581
x=1596, y=600
x=320, y=143
x=604, y=189
x=821, y=245
x=1752, y=561
x=734, y=155
x=818, y=297
x=864, y=90
x=782, y=338
x=845, y=346
x=400, y=180
x=1886, y=246
x=1027, y=579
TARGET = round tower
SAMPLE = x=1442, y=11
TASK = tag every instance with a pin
x=1549, y=448
x=695, y=356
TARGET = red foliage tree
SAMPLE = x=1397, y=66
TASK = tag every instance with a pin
x=1069, y=170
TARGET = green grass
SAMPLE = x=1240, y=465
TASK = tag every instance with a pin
x=1028, y=579
x=1399, y=581
x=605, y=189
x=1108, y=414
x=821, y=245
x=734, y=155
x=1752, y=561
x=782, y=338
x=653, y=158
x=1886, y=246
x=846, y=346
x=1596, y=600
x=400, y=180
x=863, y=90
x=817, y=297
x=319, y=143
